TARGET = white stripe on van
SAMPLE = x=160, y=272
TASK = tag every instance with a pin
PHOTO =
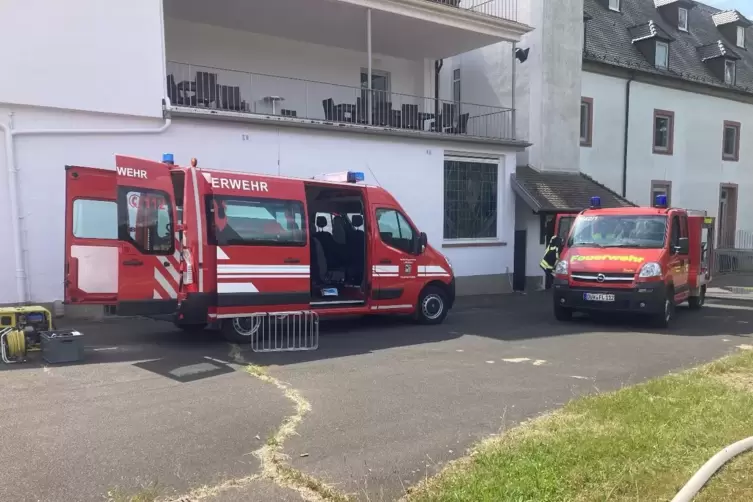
x=236, y=287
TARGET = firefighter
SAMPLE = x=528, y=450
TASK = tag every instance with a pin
x=551, y=255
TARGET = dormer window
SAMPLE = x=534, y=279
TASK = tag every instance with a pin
x=662, y=55
x=614, y=5
x=682, y=19
x=729, y=72
x=741, y=37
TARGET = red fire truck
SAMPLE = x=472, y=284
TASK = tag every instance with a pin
x=220, y=247
x=643, y=260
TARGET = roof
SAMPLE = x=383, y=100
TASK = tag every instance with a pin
x=717, y=49
x=562, y=192
x=610, y=40
x=648, y=30
x=729, y=16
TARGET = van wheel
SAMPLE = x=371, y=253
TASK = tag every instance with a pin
x=664, y=319
x=696, y=302
x=241, y=330
x=432, y=306
x=563, y=313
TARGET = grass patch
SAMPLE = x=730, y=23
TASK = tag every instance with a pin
x=639, y=443
x=149, y=493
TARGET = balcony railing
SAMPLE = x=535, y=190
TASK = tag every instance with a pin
x=504, y=9
x=218, y=89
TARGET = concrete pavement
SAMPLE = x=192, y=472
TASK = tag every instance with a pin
x=390, y=401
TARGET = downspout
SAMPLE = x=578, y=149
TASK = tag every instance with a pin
x=627, y=135
x=15, y=206
x=438, y=64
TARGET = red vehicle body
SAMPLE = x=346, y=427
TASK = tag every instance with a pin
x=643, y=260
x=208, y=245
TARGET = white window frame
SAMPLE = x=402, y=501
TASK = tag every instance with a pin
x=615, y=5
x=680, y=25
x=728, y=63
x=741, y=37
x=656, y=54
x=497, y=161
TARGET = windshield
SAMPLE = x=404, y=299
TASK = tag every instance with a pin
x=634, y=231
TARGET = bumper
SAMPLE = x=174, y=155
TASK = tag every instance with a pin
x=647, y=298
x=451, y=295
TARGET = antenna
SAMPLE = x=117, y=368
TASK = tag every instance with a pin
x=373, y=175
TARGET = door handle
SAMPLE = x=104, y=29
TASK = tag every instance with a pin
x=133, y=263
x=166, y=263
x=385, y=262
x=292, y=260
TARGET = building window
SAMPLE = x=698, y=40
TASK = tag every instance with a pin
x=731, y=141
x=729, y=72
x=682, y=19
x=586, y=121
x=456, y=85
x=664, y=131
x=470, y=198
x=662, y=55
x=661, y=187
x=741, y=36
x=614, y=5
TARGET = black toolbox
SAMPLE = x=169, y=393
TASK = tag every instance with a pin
x=62, y=346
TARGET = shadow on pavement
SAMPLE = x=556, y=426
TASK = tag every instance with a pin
x=160, y=348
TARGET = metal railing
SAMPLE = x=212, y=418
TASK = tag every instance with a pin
x=220, y=89
x=281, y=331
x=734, y=252
x=504, y=9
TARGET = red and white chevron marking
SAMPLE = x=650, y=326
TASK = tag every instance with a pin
x=167, y=278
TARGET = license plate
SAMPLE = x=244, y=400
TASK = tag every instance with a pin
x=598, y=297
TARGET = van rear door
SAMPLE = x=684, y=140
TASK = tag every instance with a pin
x=148, y=255
x=91, y=236
x=563, y=225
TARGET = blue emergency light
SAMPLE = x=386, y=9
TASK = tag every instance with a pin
x=167, y=158
x=661, y=201
x=595, y=202
x=355, y=176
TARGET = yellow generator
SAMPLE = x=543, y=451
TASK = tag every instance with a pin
x=20, y=329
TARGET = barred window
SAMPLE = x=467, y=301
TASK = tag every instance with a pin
x=470, y=198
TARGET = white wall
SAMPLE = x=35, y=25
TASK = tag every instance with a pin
x=269, y=57
x=83, y=55
x=526, y=220
x=696, y=168
x=547, y=85
x=399, y=165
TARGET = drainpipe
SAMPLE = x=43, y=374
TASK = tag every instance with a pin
x=627, y=135
x=22, y=292
x=512, y=93
x=438, y=64
x=369, y=109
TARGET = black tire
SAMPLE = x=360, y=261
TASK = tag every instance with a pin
x=563, y=313
x=697, y=302
x=664, y=319
x=240, y=330
x=192, y=328
x=432, y=306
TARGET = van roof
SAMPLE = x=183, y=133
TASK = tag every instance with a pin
x=632, y=211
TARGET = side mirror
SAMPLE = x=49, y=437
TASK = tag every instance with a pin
x=422, y=242
x=683, y=246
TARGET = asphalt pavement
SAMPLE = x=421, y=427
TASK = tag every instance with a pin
x=390, y=402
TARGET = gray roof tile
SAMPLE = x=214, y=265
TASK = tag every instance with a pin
x=729, y=16
x=609, y=40
x=563, y=192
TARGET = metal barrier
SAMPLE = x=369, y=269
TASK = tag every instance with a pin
x=205, y=87
x=280, y=331
x=734, y=253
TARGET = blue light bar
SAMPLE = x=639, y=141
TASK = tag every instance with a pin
x=355, y=176
x=167, y=158
x=595, y=202
x=661, y=201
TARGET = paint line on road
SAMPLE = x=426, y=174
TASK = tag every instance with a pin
x=517, y=360
x=578, y=377
x=539, y=362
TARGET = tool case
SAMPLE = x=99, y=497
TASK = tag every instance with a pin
x=62, y=346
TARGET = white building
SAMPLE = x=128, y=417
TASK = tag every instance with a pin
x=665, y=90
x=260, y=86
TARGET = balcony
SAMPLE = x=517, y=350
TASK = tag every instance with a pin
x=208, y=90
x=408, y=29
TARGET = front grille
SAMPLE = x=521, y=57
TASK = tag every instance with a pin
x=603, y=277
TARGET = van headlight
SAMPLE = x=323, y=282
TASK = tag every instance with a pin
x=561, y=267
x=650, y=269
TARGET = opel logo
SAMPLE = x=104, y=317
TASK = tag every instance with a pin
x=600, y=278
